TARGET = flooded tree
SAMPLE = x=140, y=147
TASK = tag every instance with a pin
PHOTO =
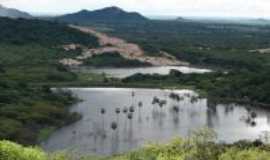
x=114, y=125
x=176, y=109
x=102, y=111
x=162, y=103
x=253, y=124
x=129, y=116
x=140, y=104
x=194, y=99
x=117, y=111
x=132, y=95
x=253, y=115
x=155, y=100
x=125, y=110
x=131, y=109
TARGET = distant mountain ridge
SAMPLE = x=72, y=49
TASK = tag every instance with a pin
x=13, y=13
x=225, y=20
x=108, y=14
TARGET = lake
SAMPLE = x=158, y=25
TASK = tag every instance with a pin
x=125, y=72
x=181, y=113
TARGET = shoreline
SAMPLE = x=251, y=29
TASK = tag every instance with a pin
x=201, y=93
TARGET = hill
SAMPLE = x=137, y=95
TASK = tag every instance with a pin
x=13, y=13
x=109, y=14
x=42, y=33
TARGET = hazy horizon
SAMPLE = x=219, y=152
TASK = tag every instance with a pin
x=176, y=8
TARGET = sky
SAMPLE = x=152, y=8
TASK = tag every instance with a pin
x=201, y=8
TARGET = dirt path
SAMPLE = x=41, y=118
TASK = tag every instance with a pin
x=113, y=44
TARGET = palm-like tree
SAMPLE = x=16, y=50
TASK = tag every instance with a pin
x=155, y=100
x=103, y=111
x=194, y=99
x=117, y=111
x=253, y=124
x=176, y=109
x=132, y=95
x=125, y=110
x=162, y=103
x=131, y=109
x=114, y=125
x=253, y=115
x=129, y=116
x=140, y=104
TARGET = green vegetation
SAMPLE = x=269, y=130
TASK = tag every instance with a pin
x=248, y=87
x=225, y=45
x=222, y=46
x=33, y=63
x=199, y=146
x=113, y=59
x=26, y=113
x=21, y=31
x=109, y=14
x=30, y=51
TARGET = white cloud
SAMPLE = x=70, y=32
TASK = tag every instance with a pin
x=248, y=8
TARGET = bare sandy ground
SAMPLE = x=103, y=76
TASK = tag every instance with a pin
x=113, y=44
x=262, y=51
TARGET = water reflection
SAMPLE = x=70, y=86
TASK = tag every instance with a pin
x=212, y=115
x=115, y=142
x=145, y=115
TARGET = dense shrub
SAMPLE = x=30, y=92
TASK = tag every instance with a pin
x=12, y=151
x=248, y=154
x=41, y=32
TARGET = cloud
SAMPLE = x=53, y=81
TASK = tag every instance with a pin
x=248, y=8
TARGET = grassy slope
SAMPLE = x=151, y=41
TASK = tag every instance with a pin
x=198, y=147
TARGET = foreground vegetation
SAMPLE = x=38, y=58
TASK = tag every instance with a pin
x=199, y=146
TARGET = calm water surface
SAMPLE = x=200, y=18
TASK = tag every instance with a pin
x=93, y=133
x=125, y=72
